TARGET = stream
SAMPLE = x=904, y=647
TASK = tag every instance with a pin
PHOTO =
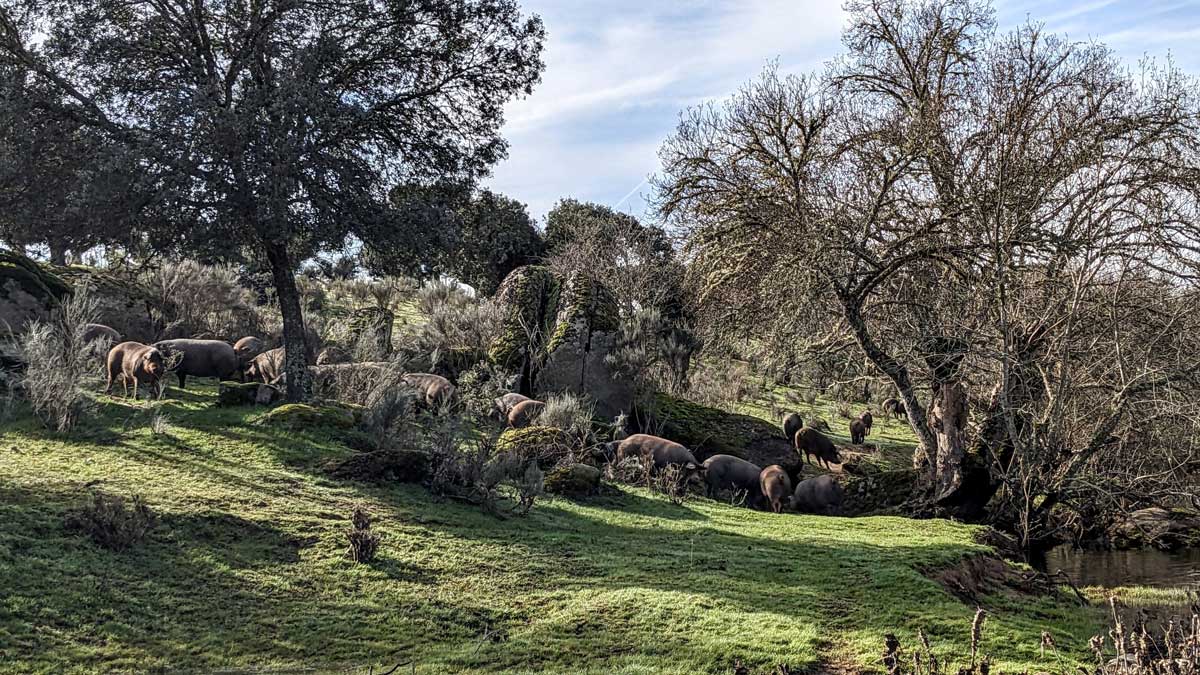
x=1137, y=567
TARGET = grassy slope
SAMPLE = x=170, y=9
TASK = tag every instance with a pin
x=247, y=569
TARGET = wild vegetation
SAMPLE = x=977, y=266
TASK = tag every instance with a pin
x=894, y=328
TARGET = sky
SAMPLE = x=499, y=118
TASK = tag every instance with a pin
x=619, y=72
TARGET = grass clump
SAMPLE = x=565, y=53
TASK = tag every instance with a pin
x=112, y=522
x=364, y=543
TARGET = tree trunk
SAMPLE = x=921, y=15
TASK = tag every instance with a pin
x=948, y=419
x=58, y=253
x=295, y=338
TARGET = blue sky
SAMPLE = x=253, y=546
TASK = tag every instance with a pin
x=618, y=73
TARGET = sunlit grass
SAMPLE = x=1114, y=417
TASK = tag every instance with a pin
x=247, y=569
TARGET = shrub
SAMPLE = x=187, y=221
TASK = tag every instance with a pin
x=364, y=543
x=390, y=410
x=441, y=293
x=843, y=410
x=112, y=522
x=382, y=292
x=501, y=483
x=59, y=364
x=460, y=330
x=190, y=299
x=568, y=412
x=721, y=384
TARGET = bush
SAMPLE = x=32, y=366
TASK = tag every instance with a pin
x=441, y=293
x=111, y=522
x=501, y=483
x=462, y=330
x=568, y=412
x=59, y=364
x=364, y=543
x=721, y=384
x=390, y=410
x=190, y=299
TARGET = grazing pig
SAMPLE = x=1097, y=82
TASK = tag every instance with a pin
x=895, y=408
x=267, y=367
x=791, y=424
x=503, y=405
x=868, y=421
x=776, y=487
x=247, y=348
x=858, y=432
x=659, y=452
x=200, y=358
x=134, y=362
x=811, y=442
x=726, y=472
x=821, y=495
x=432, y=390
x=524, y=413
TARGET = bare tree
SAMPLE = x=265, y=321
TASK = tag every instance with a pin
x=961, y=206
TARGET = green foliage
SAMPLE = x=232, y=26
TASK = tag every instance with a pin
x=546, y=445
x=497, y=236
x=627, y=584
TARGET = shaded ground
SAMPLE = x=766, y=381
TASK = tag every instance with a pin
x=247, y=569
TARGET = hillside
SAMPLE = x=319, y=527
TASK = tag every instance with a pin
x=247, y=569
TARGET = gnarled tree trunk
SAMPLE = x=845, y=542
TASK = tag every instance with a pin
x=295, y=339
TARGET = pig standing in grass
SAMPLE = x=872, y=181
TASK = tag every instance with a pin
x=791, y=424
x=432, y=390
x=820, y=495
x=776, y=487
x=726, y=472
x=503, y=405
x=136, y=363
x=200, y=358
x=811, y=442
x=658, y=452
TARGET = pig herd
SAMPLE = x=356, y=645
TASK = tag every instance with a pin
x=139, y=366
x=764, y=488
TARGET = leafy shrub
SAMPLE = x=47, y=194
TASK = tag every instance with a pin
x=364, y=543
x=390, y=409
x=112, y=522
x=382, y=292
x=59, y=364
x=501, y=483
x=461, y=330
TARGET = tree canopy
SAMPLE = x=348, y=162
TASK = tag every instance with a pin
x=281, y=125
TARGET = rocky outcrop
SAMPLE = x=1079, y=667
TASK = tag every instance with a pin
x=573, y=480
x=28, y=292
x=307, y=417
x=558, y=334
x=710, y=431
x=121, y=302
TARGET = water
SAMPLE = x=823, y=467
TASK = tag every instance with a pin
x=1138, y=567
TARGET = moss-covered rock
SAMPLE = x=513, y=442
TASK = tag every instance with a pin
x=574, y=323
x=304, y=416
x=529, y=299
x=573, y=480
x=404, y=466
x=28, y=292
x=121, y=301
x=882, y=492
x=547, y=445
x=710, y=431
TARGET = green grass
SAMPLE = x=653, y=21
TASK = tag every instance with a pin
x=890, y=444
x=246, y=569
